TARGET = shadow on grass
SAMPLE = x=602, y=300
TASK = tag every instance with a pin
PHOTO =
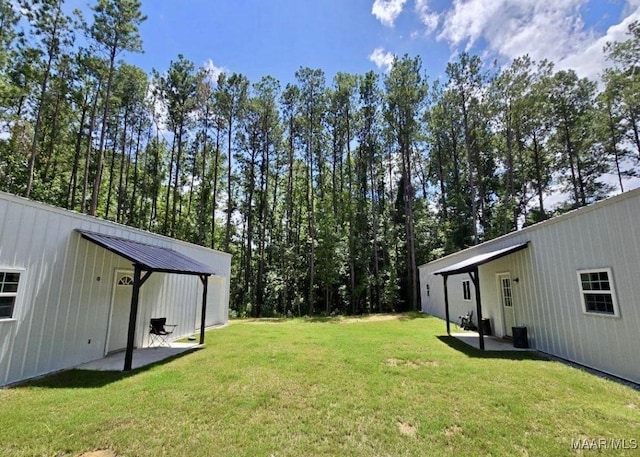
x=470, y=351
x=91, y=379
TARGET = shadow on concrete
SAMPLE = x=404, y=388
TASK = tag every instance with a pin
x=470, y=351
x=82, y=378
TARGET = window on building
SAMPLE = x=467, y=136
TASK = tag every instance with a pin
x=8, y=292
x=125, y=281
x=428, y=290
x=466, y=290
x=598, y=296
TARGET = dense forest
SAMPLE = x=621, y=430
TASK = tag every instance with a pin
x=328, y=192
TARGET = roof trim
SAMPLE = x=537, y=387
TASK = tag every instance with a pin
x=149, y=257
x=472, y=263
x=19, y=200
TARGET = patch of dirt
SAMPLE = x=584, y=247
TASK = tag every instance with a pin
x=99, y=453
x=260, y=320
x=329, y=319
x=452, y=430
x=407, y=429
x=375, y=317
x=632, y=406
x=393, y=362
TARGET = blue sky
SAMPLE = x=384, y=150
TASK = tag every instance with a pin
x=276, y=37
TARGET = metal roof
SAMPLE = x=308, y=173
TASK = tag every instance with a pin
x=470, y=264
x=149, y=257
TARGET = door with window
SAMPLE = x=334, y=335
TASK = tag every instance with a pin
x=506, y=302
x=120, y=307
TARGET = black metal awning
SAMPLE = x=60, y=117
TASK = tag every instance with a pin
x=470, y=266
x=150, y=259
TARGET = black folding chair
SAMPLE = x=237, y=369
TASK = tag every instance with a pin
x=160, y=332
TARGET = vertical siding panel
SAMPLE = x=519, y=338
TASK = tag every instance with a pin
x=33, y=262
x=63, y=281
x=84, y=299
x=46, y=261
x=76, y=255
x=525, y=260
x=627, y=285
x=53, y=253
x=542, y=275
x=563, y=249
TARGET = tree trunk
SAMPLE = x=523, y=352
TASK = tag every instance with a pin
x=87, y=160
x=73, y=181
x=214, y=202
x=103, y=134
x=43, y=91
x=227, y=236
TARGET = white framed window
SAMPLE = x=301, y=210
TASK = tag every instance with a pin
x=597, y=292
x=466, y=290
x=9, y=280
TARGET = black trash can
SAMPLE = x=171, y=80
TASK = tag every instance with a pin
x=520, y=339
x=486, y=326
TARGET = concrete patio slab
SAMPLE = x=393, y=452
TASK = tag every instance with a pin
x=141, y=357
x=491, y=343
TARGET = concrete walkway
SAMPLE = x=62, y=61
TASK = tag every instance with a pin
x=141, y=357
x=491, y=343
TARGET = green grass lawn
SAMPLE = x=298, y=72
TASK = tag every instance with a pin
x=344, y=387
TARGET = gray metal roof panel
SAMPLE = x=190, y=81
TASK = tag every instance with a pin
x=149, y=257
x=480, y=259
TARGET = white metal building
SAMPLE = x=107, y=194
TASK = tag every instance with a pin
x=572, y=281
x=67, y=282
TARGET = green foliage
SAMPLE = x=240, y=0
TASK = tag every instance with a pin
x=116, y=25
x=328, y=193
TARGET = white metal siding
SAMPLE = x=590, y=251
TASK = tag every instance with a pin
x=62, y=309
x=547, y=296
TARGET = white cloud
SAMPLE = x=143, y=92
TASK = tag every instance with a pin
x=590, y=61
x=213, y=71
x=428, y=18
x=544, y=30
x=382, y=59
x=386, y=11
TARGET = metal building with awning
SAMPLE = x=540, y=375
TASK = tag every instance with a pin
x=148, y=259
x=470, y=266
x=67, y=284
x=567, y=284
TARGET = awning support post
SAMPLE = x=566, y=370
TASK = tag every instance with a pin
x=133, y=314
x=446, y=303
x=475, y=277
x=205, y=284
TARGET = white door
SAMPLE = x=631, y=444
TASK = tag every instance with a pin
x=120, y=308
x=506, y=300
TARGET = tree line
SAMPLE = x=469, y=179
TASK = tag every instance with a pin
x=328, y=192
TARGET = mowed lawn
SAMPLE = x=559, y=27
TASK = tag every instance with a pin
x=380, y=386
